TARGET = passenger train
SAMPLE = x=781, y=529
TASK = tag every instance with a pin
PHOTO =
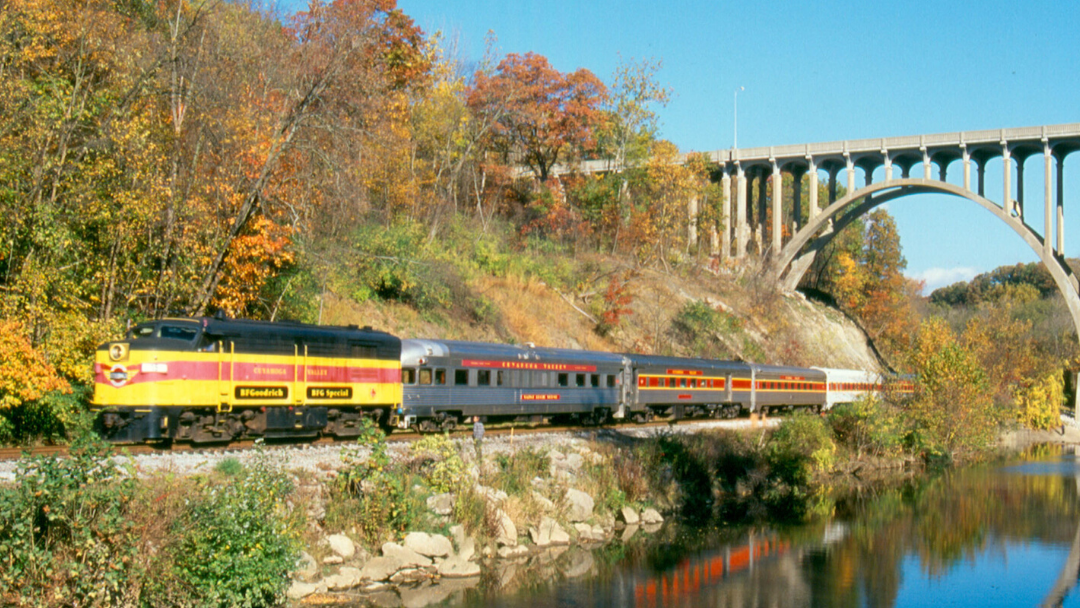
x=214, y=379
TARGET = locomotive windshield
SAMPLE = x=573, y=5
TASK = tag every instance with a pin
x=169, y=331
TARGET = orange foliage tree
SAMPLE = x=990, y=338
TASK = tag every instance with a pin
x=541, y=115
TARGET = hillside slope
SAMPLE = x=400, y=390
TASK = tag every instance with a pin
x=727, y=314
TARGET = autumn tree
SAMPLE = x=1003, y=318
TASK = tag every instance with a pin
x=953, y=411
x=543, y=116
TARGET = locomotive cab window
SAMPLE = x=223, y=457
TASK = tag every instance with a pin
x=173, y=332
x=408, y=375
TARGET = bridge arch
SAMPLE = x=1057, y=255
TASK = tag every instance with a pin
x=796, y=255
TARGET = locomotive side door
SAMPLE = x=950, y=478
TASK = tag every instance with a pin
x=226, y=373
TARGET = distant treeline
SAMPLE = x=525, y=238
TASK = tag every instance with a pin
x=989, y=285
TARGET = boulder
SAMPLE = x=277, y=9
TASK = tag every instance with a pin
x=629, y=516
x=651, y=516
x=406, y=556
x=306, y=568
x=466, y=549
x=333, y=560
x=574, y=462
x=381, y=568
x=506, y=533
x=545, y=505
x=410, y=575
x=579, y=505
x=341, y=545
x=299, y=590
x=549, y=532
x=430, y=545
x=441, y=504
x=458, y=567
x=346, y=578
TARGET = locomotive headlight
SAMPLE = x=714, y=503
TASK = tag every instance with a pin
x=118, y=352
x=155, y=368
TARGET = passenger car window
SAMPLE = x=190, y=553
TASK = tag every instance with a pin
x=425, y=375
x=595, y=380
x=483, y=377
x=408, y=375
x=440, y=376
x=564, y=380
x=461, y=377
x=580, y=380
x=611, y=381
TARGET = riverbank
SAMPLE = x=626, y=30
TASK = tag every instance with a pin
x=401, y=524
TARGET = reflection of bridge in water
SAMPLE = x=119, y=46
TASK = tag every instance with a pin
x=1070, y=572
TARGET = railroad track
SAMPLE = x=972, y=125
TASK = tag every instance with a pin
x=463, y=432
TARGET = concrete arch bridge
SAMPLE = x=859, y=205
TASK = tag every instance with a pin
x=790, y=242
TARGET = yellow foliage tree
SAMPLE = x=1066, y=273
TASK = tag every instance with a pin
x=25, y=375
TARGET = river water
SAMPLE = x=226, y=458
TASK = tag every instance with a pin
x=994, y=535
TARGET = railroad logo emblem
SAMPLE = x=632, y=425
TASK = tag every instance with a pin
x=119, y=375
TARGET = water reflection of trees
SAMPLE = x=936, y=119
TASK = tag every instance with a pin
x=856, y=557
x=944, y=521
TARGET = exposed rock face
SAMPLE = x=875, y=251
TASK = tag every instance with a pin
x=429, y=545
x=341, y=545
x=579, y=505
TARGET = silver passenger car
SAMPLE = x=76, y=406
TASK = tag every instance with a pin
x=446, y=382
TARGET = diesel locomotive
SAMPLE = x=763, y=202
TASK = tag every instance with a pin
x=213, y=380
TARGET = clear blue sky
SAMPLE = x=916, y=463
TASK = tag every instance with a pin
x=824, y=71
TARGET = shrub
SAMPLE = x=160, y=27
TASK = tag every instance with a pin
x=65, y=537
x=517, y=470
x=802, y=446
x=442, y=466
x=371, y=492
x=867, y=426
x=1038, y=406
x=237, y=542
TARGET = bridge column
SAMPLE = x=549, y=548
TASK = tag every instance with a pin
x=926, y=165
x=1006, y=160
x=967, y=167
x=888, y=168
x=796, y=188
x=1048, y=187
x=1020, y=184
x=740, y=213
x=777, y=209
x=850, y=178
x=813, y=187
x=1061, y=206
x=981, y=170
x=725, y=213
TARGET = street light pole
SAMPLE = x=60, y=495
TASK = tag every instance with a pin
x=735, y=143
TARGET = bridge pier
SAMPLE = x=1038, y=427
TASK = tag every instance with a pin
x=741, y=231
x=725, y=215
x=777, y=210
